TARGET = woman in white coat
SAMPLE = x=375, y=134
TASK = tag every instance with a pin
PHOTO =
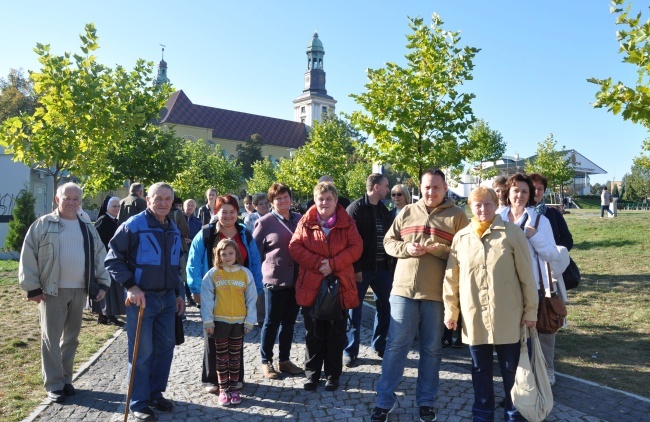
x=541, y=243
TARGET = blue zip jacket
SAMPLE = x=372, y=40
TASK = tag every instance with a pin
x=145, y=253
x=197, y=260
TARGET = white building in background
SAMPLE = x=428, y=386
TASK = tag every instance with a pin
x=509, y=165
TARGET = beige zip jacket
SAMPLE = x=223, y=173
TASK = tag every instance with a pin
x=38, y=271
x=420, y=278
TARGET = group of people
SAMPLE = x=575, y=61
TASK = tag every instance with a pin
x=426, y=263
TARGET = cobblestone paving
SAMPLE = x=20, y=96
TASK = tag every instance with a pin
x=102, y=389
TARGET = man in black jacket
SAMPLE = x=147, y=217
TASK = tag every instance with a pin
x=373, y=269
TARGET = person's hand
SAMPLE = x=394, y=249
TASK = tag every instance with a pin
x=529, y=324
x=210, y=330
x=180, y=305
x=37, y=299
x=188, y=240
x=432, y=247
x=358, y=277
x=530, y=231
x=247, y=330
x=415, y=249
x=451, y=324
x=197, y=297
x=325, y=268
x=135, y=296
x=100, y=295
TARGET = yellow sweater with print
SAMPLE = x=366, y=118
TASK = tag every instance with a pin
x=228, y=295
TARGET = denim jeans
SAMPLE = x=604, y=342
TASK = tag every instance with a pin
x=409, y=317
x=508, y=355
x=156, y=350
x=281, y=313
x=381, y=282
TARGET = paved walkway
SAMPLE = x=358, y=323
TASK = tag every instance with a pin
x=101, y=387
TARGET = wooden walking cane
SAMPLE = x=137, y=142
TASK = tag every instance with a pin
x=133, y=359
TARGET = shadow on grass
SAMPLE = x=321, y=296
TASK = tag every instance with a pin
x=603, y=244
x=611, y=278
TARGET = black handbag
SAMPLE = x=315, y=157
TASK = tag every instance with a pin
x=571, y=275
x=327, y=306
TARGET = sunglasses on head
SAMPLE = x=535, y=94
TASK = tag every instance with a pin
x=396, y=194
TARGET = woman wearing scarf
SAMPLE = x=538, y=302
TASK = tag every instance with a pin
x=489, y=280
x=325, y=242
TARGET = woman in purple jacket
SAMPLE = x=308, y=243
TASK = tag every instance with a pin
x=272, y=235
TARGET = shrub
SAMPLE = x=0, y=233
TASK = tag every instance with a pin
x=24, y=216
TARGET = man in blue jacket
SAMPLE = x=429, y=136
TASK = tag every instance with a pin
x=144, y=257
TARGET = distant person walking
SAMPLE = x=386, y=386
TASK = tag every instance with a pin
x=61, y=255
x=605, y=200
x=132, y=204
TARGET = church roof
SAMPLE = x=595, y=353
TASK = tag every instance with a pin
x=233, y=125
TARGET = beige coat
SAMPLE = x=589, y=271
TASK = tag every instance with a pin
x=490, y=281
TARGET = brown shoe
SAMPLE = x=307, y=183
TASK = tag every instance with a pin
x=289, y=367
x=269, y=371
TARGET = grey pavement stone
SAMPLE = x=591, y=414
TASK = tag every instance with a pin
x=101, y=386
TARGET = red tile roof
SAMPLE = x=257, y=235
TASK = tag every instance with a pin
x=233, y=125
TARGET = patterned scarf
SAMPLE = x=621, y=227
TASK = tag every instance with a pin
x=541, y=208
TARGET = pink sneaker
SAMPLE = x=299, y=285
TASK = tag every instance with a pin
x=235, y=398
x=224, y=398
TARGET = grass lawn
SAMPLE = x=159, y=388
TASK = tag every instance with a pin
x=21, y=384
x=608, y=338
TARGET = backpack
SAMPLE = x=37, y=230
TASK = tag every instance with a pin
x=327, y=306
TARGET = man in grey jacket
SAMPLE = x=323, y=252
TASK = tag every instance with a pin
x=62, y=255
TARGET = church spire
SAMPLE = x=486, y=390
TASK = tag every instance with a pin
x=162, y=70
x=314, y=103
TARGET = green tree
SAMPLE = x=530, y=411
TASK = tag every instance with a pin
x=84, y=110
x=16, y=95
x=356, y=179
x=416, y=114
x=632, y=102
x=249, y=153
x=615, y=191
x=596, y=189
x=638, y=182
x=484, y=145
x=24, y=216
x=330, y=150
x=263, y=176
x=552, y=164
x=206, y=167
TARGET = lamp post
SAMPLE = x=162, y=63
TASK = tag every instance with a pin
x=516, y=162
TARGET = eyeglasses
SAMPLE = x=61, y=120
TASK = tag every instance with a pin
x=396, y=194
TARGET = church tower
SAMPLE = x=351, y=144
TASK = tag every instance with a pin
x=314, y=102
x=162, y=70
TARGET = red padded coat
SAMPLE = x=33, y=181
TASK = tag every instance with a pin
x=309, y=246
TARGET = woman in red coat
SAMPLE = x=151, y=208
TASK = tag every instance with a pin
x=325, y=242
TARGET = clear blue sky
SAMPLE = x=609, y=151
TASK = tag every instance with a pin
x=529, y=79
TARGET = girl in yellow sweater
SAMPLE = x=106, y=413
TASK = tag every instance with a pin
x=228, y=297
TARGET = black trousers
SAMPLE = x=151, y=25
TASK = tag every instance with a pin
x=324, y=341
x=209, y=373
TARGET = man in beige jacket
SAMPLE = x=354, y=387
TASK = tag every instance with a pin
x=62, y=255
x=419, y=238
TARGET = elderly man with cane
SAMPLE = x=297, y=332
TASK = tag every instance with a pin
x=144, y=257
